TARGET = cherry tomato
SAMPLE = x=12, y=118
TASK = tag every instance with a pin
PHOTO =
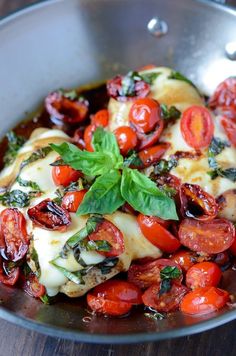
x=225, y=94
x=146, y=274
x=115, y=89
x=197, y=127
x=65, y=110
x=233, y=247
x=50, y=216
x=101, y=118
x=153, y=154
x=88, y=135
x=207, y=236
x=203, y=274
x=64, y=175
x=72, y=200
x=32, y=286
x=204, y=300
x=165, y=302
x=185, y=259
x=157, y=234
x=9, y=276
x=107, y=307
x=169, y=180
x=145, y=114
x=222, y=258
x=126, y=138
x=78, y=138
x=229, y=126
x=107, y=231
x=14, y=240
x=117, y=290
x=196, y=203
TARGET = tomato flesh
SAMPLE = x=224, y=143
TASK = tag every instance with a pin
x=101, y=118
x=204, y=300
x=207, y=236
x=203, y=274
x=64, y=175
x=72, y=200
x=107, y=231
x=157, y=234
x=32, y=286
x=14, y=240
x=185, y=259
x=88, y=136
x=197, y=127
x=153, y=154
x=126, y=138
x=107, y=307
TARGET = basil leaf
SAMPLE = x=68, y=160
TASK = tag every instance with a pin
x=58, y=162
x=15, y=199
x=143, y=195
x=28, y=183
x=15, y=142
x=149, y=77
x=165, y=287
x=216, y=146
x=164, y=166
x=104, y=196
x=75, y=277
x=100, y=245
x=107, y=265
x=171, y=113
x=133, y=160
x=179, y=76
x=90, y=163
x=39, y=154
x=170, y=272
x=154, y=316
x=35, y=259
x=229, y=173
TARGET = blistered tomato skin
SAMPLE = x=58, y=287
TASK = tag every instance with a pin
x=203, y=274
x=153, y=154
x=9, y=277
x=72, y=200
x=107, y=307
x=101, y=118
x=88, y=135
x=185, y=259
x=64, y=175
x=126, y=138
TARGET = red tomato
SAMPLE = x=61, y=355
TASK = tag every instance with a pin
x=64, y=175
x=225, y=94
x=204, y=300
x=146, y=274
x=64, y=110
x=165, y=302
x=115, y=89
x=119, y=291
x=226, y=111
x=229, y=126
x=153, y=154
x=157, y=234
x=107, y=231
x=196, y=203
x=145, y=114
x=207, y=236
x=50, y=216
x=148, y=140
x=126, y=138
x=185, y=259
x=9, y=276
x=197, y=127
x=88, y=135
x=78, y=138
x=14, y=240
x=72, y=200
x=32, y=286
x=101, y=118
x=107, y=307
x=203, y=274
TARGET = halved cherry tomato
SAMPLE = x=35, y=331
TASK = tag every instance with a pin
x=14, y=240
x=197, y=127
x=165, y=302
x=204, y=300
x=145, y=114
x=32, y=286
x=101, y=118
x=203, y=274
x=148, y=140
x=64, y=175
x=157, y=234
x=126, y=138
x=88, y=135
x=107, y=307
x=115, y=89
x=78, y=138
x=64, y=110
x=107, y=231
x=185, y=259
x=50, y=216
x=225, y=94
x=118, y=290
x=9, y=276
x=229, y=126
x=196, y=203
x=207, y=236
x=72, y=200
x=153, y=154
x=146, y=274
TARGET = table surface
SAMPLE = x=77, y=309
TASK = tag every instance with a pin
x=16, y=341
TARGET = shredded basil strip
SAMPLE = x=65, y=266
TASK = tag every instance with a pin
x=15, y=142
x=39, y=154
x=154, y=316
x=75, y=277
x=164, y=166
x=15, y=199
x=107, y=265
x=28, y=183
x=133, y=160
x=129, y=80
x=171, y=113
x=58, y=162
x=100, y=245
x=35, y=259
x=167, y=274
x=71, y=95
x=47, y=300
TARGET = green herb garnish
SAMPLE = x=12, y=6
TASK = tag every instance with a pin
x=107, y=265
x=129, y=81
x=154, y=316
x=171, y=113
x=39, y=154
x=15, y=199
x=15, y=142
x=164, y=166
x=167, y=274
x=75, y=277
x=47, y=300
x=133, y=160
x=28, y=183
x=35, y=259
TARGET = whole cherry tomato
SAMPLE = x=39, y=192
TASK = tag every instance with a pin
x=64, y=175
x=157, y=234
x=72, y=200
x=197, y=127
x=204, y=300
x=88, y=136
x=203, y=274
x=101, y=118
x=106, y=306
x=153, y=154
x=126, y=138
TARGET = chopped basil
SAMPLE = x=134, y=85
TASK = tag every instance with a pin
x=133, y=160
x=107, y=265
x=28, y=183
x=14, y=144
x=165, y=286
x=149, y=77
x=47, y=300
x=15, y=199
x=169, y=191
x=164, y=166
x=58, y=162
x=179, y=76
x=39, y=154
x=167, y=274
x=71, y=95
x=35, y=259
x=100, y=245
x=129, y=81
x=154, y=316
x=75, y=277
x=171, y=113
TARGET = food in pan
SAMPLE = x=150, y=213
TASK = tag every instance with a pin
x=136, y=177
